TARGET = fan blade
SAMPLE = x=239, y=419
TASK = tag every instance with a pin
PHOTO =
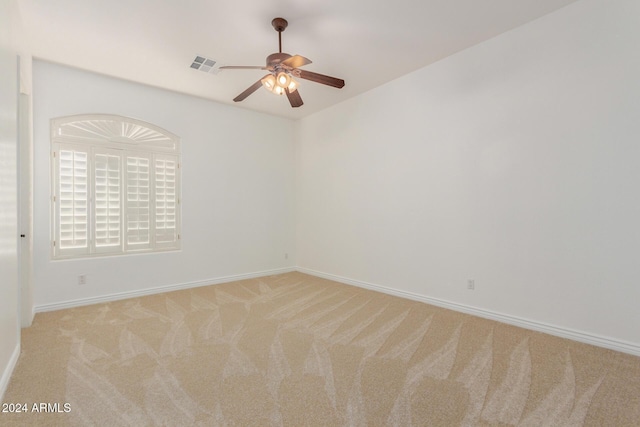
x=243, y=67
x=294, y=98
x=321, y=78
x=254, y=87
x=296, y=61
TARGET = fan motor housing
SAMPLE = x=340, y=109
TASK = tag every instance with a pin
x=276, y=58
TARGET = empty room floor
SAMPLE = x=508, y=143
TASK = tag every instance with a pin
x=294, y=349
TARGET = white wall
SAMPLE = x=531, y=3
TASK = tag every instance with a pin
x=9, y=287
x=237, y=188
x=515, y=163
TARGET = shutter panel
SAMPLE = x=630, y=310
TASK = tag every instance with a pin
x=166, y=201
x=107, y=201
x=138, y=202
x=72, y=207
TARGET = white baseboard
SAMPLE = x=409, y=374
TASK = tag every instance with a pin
x=8, y=371
x=168, y=288
x=612, y=344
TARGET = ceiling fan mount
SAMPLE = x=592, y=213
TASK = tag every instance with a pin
x=279, y=24
x=282, y=68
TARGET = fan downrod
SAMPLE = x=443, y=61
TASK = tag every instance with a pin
x=279, y=24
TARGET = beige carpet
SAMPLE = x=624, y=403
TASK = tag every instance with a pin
x=297, y=350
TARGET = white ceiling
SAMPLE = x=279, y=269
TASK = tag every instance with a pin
x=366, y=43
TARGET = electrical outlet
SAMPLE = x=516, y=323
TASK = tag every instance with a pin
x=471, y=284
x=286, y=256
x=82, y=279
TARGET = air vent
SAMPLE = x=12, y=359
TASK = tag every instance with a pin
x=205, y=64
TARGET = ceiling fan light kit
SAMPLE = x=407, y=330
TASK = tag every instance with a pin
x=282, y=68
x=278, y=84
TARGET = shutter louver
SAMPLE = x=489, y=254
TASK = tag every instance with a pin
x=166, y=200
x=107, y=195
x=138, y=202
x=73, y=201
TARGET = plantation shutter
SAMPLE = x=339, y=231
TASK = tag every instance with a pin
x=115, y=187
x=138, y=202
x=166, y=200
x=71, y=198
x=107, y=200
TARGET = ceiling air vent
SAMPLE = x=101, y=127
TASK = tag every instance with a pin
x=205, y=64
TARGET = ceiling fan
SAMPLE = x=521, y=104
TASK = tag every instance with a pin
x=282, y=69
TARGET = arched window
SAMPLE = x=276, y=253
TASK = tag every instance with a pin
x=116, y=186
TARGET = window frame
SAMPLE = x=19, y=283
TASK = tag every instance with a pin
x=123, y=138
